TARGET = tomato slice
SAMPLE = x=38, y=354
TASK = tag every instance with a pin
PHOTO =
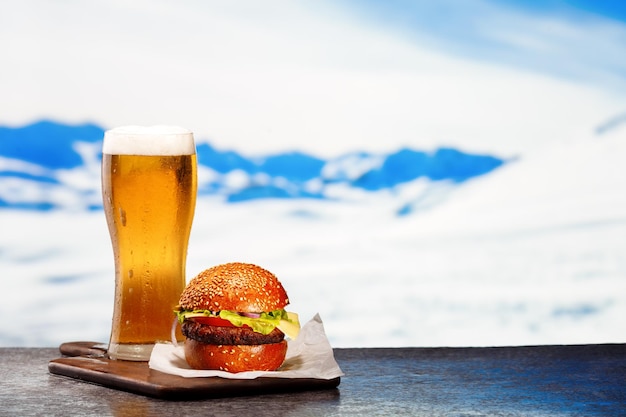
x=213, y=321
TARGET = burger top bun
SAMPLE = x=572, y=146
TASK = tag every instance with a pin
x=236, y=286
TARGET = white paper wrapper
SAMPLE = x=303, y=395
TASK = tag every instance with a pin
x=309, y=356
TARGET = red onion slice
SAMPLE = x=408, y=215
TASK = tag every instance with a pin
x=173, y=334
x=251, y=315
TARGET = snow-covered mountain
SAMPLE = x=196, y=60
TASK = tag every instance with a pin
x=389, y=252
x=48, y=165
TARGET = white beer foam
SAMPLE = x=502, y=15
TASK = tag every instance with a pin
x=149, y=140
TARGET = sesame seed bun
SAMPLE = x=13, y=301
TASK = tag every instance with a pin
x=236, y=286
x=235, y=358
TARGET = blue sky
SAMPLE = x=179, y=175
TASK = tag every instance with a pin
x=582, y=40
x=612, y=9
x=321, y=76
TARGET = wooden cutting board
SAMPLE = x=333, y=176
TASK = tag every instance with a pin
x=86, y=361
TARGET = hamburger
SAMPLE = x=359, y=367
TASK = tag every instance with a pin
x=233, y=318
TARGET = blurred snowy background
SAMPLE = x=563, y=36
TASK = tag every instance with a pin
x=420, y=174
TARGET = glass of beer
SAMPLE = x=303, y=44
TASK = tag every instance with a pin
x=149, y=185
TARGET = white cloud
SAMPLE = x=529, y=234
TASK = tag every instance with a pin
x=276, y=76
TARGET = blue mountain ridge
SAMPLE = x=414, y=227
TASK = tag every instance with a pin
x=41, y=152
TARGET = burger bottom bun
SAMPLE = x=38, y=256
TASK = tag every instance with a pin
x=235, y=358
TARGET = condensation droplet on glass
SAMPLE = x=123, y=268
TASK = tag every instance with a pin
x=123, y=216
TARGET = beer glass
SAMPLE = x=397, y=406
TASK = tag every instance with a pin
x=149, y=185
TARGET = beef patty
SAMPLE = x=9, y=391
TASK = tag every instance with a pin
x=218, y=335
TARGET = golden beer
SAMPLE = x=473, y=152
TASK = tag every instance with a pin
x=149, y=202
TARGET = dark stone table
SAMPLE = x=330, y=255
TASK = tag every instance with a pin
x=584, y=380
